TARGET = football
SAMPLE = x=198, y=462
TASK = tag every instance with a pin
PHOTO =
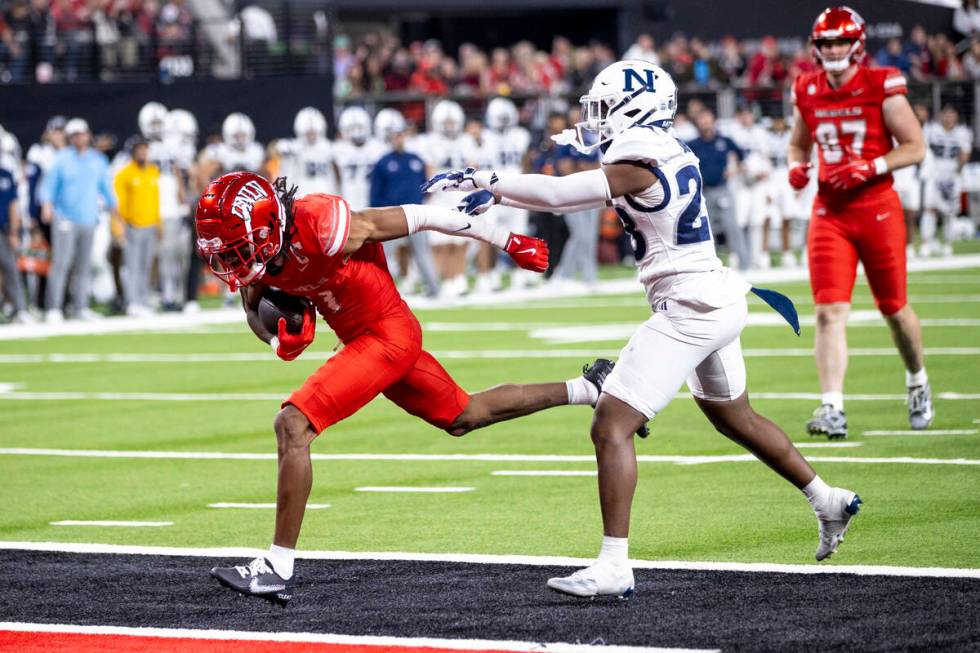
x=276, y=304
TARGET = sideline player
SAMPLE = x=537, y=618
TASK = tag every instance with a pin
x=950, y=143
x=256, y=236
x=852, y=112
x=654, y=183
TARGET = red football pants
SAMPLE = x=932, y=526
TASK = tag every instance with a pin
x=870, y=230
x=386, y=359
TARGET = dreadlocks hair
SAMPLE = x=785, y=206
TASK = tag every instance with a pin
x=287, y=195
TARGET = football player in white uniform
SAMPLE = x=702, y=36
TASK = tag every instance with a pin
x=507, y=144
x=750, y=188
x=910, y=184
x=447, y=146
x=356, y=153
x=784, y=208
x=950, y=144
x=653, y=182
x=308, y=160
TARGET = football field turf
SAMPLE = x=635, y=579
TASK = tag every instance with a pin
x=151, y=427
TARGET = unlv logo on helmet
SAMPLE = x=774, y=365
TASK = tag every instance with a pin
x=246, y=198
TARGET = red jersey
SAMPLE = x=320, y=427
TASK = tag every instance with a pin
x=350, y=291
x=848, y=123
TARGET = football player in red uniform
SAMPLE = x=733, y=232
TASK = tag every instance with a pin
x=853, y=113
x=255, y=235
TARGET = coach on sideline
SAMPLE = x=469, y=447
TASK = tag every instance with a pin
x=69, y=194
x=138, y=192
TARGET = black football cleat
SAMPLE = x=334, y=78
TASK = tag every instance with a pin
x=257, y=578
x=596, y=374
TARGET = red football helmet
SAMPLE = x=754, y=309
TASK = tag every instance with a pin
x=240, y=227
x=838, y=23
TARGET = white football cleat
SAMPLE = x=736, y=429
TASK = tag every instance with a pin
x=601, y=578
x=834, y=520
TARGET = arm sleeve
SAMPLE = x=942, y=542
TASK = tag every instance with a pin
x=120, y=187
x=894, y=83
x=504, y=201
x=588, y=187
x=430, y=217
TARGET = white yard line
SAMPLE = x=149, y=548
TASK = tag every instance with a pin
x=476, y=558
x=827, y=445
x=924, y=433
x=110, y=522
x=558, y=336
x=550, y=458
x=543, y=472
x=271, y=506
x=339, y=640
x=410, y=489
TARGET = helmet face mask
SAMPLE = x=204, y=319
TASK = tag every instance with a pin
x=240, y=226
x=501, y=114
x=838, y=25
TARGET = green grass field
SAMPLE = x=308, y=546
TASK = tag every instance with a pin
x=914, y=514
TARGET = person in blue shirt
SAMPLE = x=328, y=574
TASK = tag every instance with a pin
x=397, y=179
x=719, y=156
x=70, y=194
x=13, y=290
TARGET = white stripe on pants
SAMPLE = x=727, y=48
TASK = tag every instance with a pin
x=137, y=262
x=71, y=258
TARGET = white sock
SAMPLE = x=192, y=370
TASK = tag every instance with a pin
x=817, y=492
x=282, y=560
x=916, y=379
x=581, y=392
x=835, y=399
x=615, y=550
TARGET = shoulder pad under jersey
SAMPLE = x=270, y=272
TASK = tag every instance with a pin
x=648, y=145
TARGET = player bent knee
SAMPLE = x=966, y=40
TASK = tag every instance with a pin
x=293, y=429
x=614, y=421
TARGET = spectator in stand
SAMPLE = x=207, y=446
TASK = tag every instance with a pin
x=971, y=61
x=15, y=43
x=398, y=76
x=72, y=21
x=175, y=27
x=917, y=50
x=644, y=49
x=945, y=63
x=894, y=55
x=766, y=67
x=966, y=19
x=731, y=61
x=501, y=72
x=70, y=193
x=704, y=66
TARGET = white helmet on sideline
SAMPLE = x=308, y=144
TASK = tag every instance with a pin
x=237, y=130
x=447, y=119
x=387, y=123
x=182, y=124
x=152, y=119
x=310, y=122
x=355, y=124
x=501, y=114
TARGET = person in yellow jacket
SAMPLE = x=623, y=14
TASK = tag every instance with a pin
x=137, y=189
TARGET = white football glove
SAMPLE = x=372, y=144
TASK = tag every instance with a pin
x=467, y=179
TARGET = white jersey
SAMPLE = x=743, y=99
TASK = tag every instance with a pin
x=669, y=223
x=231, y=158
x=507, y=149
x=946, y=147
x=309, y=166
x=355, y=163
x=754, y=142
x=441, y=153
x=165, y=156
x=42, y=155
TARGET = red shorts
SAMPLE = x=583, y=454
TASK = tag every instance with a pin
x=386, y=359
x=871, y=230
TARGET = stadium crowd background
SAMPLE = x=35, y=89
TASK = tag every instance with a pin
x=64, y=41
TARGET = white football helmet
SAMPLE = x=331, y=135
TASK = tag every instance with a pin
x=310, y=125
x=152, y=120
x=387, y=123
x=355, y=124
x=237, y=130
x=501, y=114
x=625, y=94
x=183, y=125
x=447, y=119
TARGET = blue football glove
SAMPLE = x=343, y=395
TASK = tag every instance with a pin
x=451, y=181
x=476, y=203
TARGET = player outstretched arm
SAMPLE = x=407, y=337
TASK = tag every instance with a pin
x=377, y=225
x=581, y=190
